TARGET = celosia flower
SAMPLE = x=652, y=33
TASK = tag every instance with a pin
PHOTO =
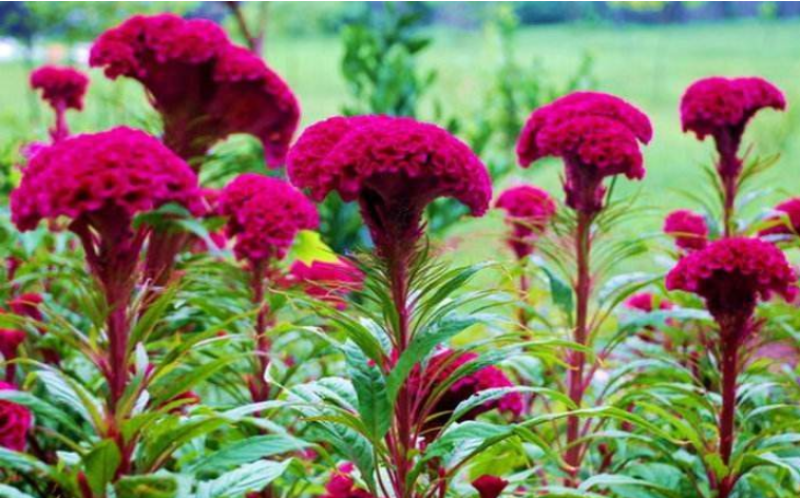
x=327, y=281
x=10, y=341
x=27, y=305
x=528, y=211
x=439, y=369
x=689, y=229
x=264, y=214
x=786, y=220
x=104, y=178
x=204, y=87
x=15, y=422
x=722, y=107
x=732, y=274
x=62, y=87
x=597, y=135
x=394, y=167
x=489, y=486
x=341, y=485
x=647, y=302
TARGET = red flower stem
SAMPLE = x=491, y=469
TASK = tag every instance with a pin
x=260, y=386
x=397, y=261
x=729, y=168
x=729, y=366
x=729, y=187
x=524, y=287
x=577, y=359
x=60, y=131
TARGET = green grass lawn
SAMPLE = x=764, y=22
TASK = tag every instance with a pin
x=651, y=66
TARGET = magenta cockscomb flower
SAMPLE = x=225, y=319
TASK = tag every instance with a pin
x=786, y=220
x=688, y=228
x=15, y=422
x=342, y=485
x=264, y=215
x=328, y=281
x=733, y=274
x=528, y=212
x=27, y=305
x=102, y=179
x=489, y=486
x=647, y=302
x=435, y=411
x=62, y=88
x=204, y=87
x=596, y=134
x=10, y=341
x=722, y=107
x=393, y=167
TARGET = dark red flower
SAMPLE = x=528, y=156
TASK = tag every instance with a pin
x=62, y=87
x=733, y=274
x=327, y=281
x=204, y=87
x=264, y=214
x=15, y=422
x=528, y=211
x=647, y=302
x=688, y=228
x=341, y=485
x=10, y=341
x=121, y=170
x=721, y=107
x=27, y=305
x=439, y=370
x=393, y=167
x=786, y=220
x=489, y=486
x=596, y=134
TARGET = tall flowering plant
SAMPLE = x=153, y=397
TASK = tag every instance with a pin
x=63, y=88
x=598, y=136
x=411, y=395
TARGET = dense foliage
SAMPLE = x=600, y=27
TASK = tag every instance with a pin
x=174, y=324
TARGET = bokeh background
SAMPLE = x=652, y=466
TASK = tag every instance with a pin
x=478, y=68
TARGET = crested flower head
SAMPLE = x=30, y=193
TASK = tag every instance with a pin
x=688, y=228
x=122, y=170
x=596, y=134
x=393, y=167
x=204, y=87
x=528, y=211
x=786, y=220
x=721, y=107
x=440, y=369
x=732, y=274
x=489, y=486
x=62, y=87
x=327, y=281
x=647, y=302
x=15, y=422
x=264, y=214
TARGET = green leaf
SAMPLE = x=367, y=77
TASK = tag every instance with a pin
x=610, y=481
x=9, y=492
x=150, y=486
x=309, y=247
x=101, y=464
x=560, y=291
x=247, y=451
x=251, y=477
x=374, y=405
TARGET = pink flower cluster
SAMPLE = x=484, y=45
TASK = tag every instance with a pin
x=721, y=107
x=393, y=166
x=327, y=281
x=440, y=369
x=596, y=134
x=647, y=302
x=528, y=211
x=264, y=214
x=10, y=341
x=205, y=87
x=342, y=485
x=15, y=422
x=732, y=274
x=123, y=169
x=688, y=228
x=786, y=220
x=62, y=87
